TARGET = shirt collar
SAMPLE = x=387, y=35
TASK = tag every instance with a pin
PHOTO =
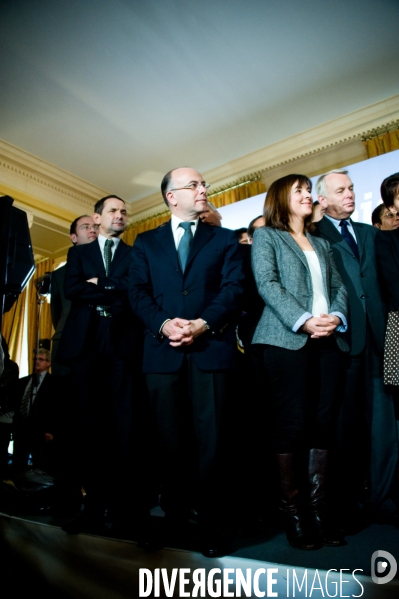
x=175, y=222
x=336, y=221
x=102, y=240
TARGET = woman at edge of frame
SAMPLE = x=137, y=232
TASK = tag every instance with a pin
x=305, y=310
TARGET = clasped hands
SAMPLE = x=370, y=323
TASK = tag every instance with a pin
x=321, y=326
x=181, y=332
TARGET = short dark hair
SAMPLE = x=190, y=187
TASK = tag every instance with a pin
x=251, y=228
x=277, y=205
x=376, y=215
x=390, y=189
x=239, y=232
x=98, y=208
x=165, y=185
x=72, y=228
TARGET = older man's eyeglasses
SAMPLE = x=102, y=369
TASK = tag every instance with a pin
x=194, y=185
x=88, y=227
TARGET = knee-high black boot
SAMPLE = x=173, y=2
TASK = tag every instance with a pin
x=296, y=529
x=328, y=534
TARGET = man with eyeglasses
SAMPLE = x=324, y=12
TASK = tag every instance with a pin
x=83, y=230
x=186, y=286
x=33, y=399
x=384, y=218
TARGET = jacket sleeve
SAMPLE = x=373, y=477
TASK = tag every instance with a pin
x=265, y=267
x=109, y=290
x=224, y=306
x=388, y=264
x=141, y=295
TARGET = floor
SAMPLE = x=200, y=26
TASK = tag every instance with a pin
x=37, y=555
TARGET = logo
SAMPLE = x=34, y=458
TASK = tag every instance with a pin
x=383, y=567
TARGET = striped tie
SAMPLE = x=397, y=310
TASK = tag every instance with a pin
x=108, y=255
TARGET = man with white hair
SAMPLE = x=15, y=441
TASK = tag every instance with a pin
x=367, y=435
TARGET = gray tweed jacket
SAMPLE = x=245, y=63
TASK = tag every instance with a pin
x=284, y=282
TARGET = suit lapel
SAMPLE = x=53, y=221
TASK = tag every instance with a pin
x=361, y=234
x=96, y=256
x=333, y=235
x=285, y=236
x=164, y=236
x=121, y=251
x=203, y=234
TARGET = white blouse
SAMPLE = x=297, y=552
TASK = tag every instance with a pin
x=320, y=305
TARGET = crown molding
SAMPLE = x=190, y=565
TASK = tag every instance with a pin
x=342, y=130
x=329, y=145
x=37, y=183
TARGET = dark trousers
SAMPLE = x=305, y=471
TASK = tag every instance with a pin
x=189, y=410
x=103, y=384
x=304, y=385
x=367, y=440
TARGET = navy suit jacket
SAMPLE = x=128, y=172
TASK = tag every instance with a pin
x=361, y=279
x=85, y=262
x=210, y=288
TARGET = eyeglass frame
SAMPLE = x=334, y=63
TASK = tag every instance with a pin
x=87, y=227
x=203, y=184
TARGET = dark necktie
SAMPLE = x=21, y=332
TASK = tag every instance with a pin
x=350, y=240
x=29, y=395
x=108, y=254
x=185, y=244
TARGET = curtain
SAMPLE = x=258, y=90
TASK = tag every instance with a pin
x=46, y=327
x=241, y=192
x=381, y=144
x=221, y=199
x=13, y=327
x=146, y=224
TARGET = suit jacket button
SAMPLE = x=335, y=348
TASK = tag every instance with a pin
x=362, y=274
x=362, y=296
x=185, y=292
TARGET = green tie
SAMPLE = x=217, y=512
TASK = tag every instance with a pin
x=108, y=254
x=185, y=244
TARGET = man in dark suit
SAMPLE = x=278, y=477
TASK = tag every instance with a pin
x=185, y=285
x=102, y=343
x=83, y=230
x=367, y=435
x=34, y=400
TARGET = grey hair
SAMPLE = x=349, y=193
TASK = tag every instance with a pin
x=321, y=186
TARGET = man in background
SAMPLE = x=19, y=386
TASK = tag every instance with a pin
x=384, y=218
x=83, y=230
x=34, y=400
x=211, y=215
x=255, y=223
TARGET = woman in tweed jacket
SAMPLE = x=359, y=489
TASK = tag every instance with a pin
x=305, y=310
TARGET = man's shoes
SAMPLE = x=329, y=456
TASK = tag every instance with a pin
x=87, y=523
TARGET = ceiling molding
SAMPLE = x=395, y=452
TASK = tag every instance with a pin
x=343, y=129
x=34, y=181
